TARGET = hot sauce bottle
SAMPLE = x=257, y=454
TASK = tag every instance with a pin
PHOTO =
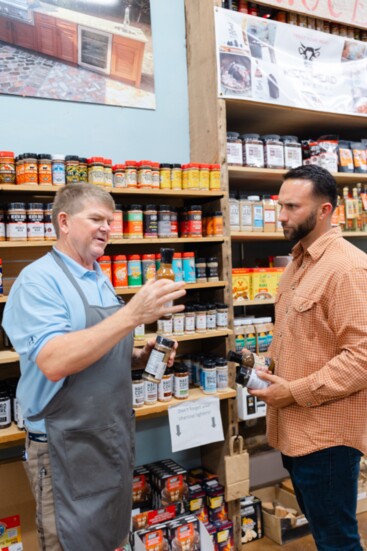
x=165, y=271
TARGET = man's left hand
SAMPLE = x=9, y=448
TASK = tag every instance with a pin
x=277, y=395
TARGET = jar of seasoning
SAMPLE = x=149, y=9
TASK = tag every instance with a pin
x=257, y=213
x=106, y=266
x=181, y=382
x=134, y=275
x=234, y=149
x=204, y=176
x=119, y=179
x=155, y=175
x=35, y=222
x=188, y=265
x=138, y=389
x=165, y=387
x=134, y=222
x=44, y=169
x=273, y=151
x=212, y=268
x=189, y=319
x=269, y=214
x=119, y=271
x=176, y=176
x=177, y=266
x=222, y=316
x=5, y=409
x=165, y=176
x=184, y=176
x=83, y=170
x=292, y=151
x=116, y=228
x=7, y=167
x=179, y=323
x=200, y=318
x=108, y=175
x=139, y=331
x=221, y=367
x=96, y=171
x=150, y=221
x=195, y=226
x=16, y=225
x=195, y=369
x=19, y=170
x=2, y=224
x=193, y=181
x=209, y=377
x=30, y=169
x=200, y=270
x=234, y=212
x=214, y=177
x=50, y=233
x=72, y=169
x=148, y=267
x=145, y=174
x=150, y=393
x=131, y=174
x=253, y=150
x=165, y=326
x=211, y=317
x=164, y=221
x=158, y=359
x=174, y=222
x=184, y=222
x=218, y=223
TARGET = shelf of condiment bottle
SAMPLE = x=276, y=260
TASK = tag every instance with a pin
x=12, y=434
x=139, y=343
x=265, y=236
x=140, y=241
x=185, y=193
x=8, y=357
x=188, y=287
x=194, y=394
x=258, y=302
x=275, y=175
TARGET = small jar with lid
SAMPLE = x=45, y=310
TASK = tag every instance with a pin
x=211, y=317
x=44, y=169
x=119, y=271
x=148, y=267
x=106, y=266
x=176, y=176
x=292, y=151
x=50, y=233
x=150, y=392
x=7, y=167
x=16, y=222
x=181, y=382
x=96, y=171
x=188, y=267
x=222, y=316
x=209, y=376
x=190, y=322
x=30, y=168
x=177, y=266
x=158, y=359
x=212, y=272
x=134, y=222
x=214, y=177
x=200, y=318
x=164, y=221
x=204, y=176
x=83, y=170
x=145, y=174
x=193, y=176
x=131, y=174
x=165, y=387
x=138, y=389
x=234, y=212
x=200, y=270
x=116, y=227
x=165, y=176
x=155, y=175
x=119, y=179
x=195, y=222
x=35, y=222
x=134, y=270
x=174, y=222
x=150, y=221
x=19, y=170
x=234, y=149
x=273, y=151
x=253, y=150
x=108, y=174
x=72, y=169
x=139, y=332
x=179, y=323
x=221, y=366
x=5, y=408
x=165, y=326
x=217, y=223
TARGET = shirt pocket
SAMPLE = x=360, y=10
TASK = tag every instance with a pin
x=304, y=317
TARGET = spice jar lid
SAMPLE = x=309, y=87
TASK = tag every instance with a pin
x=133, y=256
x=188, y=255
x=177, y=255
x=208, y=363
x=212, y=259
x=215, y=167
x=72, y=158
x=6, y=153
x=58, y=157
x=99, y=160
x=164, y=207
x=118, y=257
x=189, y=308
x=135, y=207
x=164, y=341
x=250, y=136
x=46, y=156
x=104, y=258
x=180, y=368
x=49, y=206
x=148, y=257
x=118, y=206
x=108, y=162
x=196, y=207
x=200, y=307
x=217, y=213
x=221, y=305
x=200, y=261
x=270, y=137
x=165, y=165
x=16, y=206
x=221, y=361
x=210, y=306
x=176, y=165
x=234, y=135
x=131, y=163
x=137, y=376
x=30, y=155
x=150, y=207
x=83, y=160
x=34, y=206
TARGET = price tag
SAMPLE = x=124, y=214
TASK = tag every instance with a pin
x=195, y=423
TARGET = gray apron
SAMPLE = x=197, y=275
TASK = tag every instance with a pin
x=90, y=430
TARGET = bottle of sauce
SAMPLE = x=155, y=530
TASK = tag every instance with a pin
x=251, y=360
x=165, y=271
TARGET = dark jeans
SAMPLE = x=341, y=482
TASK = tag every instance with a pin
x=326, y=486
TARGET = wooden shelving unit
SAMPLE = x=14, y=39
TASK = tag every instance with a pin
x=266, y=177
x=11, y=435
x=8, y=357
x=253, y=302
x=266, y=236
x=139, y=343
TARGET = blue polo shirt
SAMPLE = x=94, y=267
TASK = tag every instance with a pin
x=43, y=304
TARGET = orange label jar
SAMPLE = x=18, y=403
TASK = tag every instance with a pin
x=119, y=271
x=195, y=227
x=155, y=175
x=218, y=223
x=7, y=167
x=131, y=174
x=19, y=170
x=106, y=266
x=44, y=169
x=214, y=177
x=30, y=169
x=108, y=176
x=145, y=174
x=116, y=228
x=134, y=222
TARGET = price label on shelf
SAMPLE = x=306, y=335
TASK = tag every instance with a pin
x=195, y=423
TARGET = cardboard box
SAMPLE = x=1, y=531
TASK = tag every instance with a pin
x=278, y=529
x=251, y=519
x=249, y=407
x=362, y=495
x=241, y=283
x=10, y=534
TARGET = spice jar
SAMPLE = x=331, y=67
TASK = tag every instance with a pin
x=35, y=222
x=139, y=331
x=131, y=174
x=106, y=266
x=138, y=389
x=200, y=318
x=252, y=150
x=7, y=167
x=174, y=222
x=181, y=382
x=158, y=359
x=193, y=181
x=222, y=315
x=212, y=268
x=177, y=266
x=58, y=170
x=214, y=177
x=273, y=151
x=145, y=174
x=30, y=168
x=165, y=326
x=165, y=387
x=204, y=176
x=134, y=222
x=165, y=176
x=234, y=212
x=211, y=317
x=150, y=392
x=44, y=169
x=96, y=171
x=148, y=267
x=83, y=170
x=134, y=275
x=217, y=223
x=184, y=222
x=72, y=169
x=189, y=319
x=108, y=175
x=200, y=270
x=155, y=175
x=195, y=226
x=116, y=228
x=150, y=221
x=292, y=151
x=50, y=233
x=209, y=377
x=221, y=367
x=5, y=409
x=179, y=323
x=176, y=176
x=188, y=265
x=19, y=170
x=234, y=149
x=119, y=179
x=119, y=271
x=16, y=225
x=164, y=221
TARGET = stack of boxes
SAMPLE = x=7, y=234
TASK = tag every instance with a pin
x=255, y=283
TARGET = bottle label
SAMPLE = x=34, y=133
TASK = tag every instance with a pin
x=222, y=378
x=189, y=324
x=201, y=321
x=156, y=365
x=261, y=362
x=5, y=415
x=222, y=319
x=181, y=387
x=211, y=321
x=255, y=382
x=209, y=380
x=150, y=392
x=138, y=394
x=165, y=389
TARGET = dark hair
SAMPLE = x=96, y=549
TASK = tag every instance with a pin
x=324, y=184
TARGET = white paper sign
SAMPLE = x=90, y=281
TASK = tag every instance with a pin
x=195, y=423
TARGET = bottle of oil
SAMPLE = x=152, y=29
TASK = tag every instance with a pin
x=251, y=360
x=165, y=271
x=350, y=212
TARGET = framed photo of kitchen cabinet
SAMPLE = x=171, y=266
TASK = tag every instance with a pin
x=78, y=50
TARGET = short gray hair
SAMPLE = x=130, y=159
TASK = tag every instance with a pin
x=73, y=197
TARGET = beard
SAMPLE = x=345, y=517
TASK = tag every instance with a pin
x=296, y=233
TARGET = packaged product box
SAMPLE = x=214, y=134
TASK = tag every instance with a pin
x=224, y=536
x=142, y=489
x=200, y=475
x=251, y=519
x=275, y=502
x=184, y=533
x=197, y=502
x=249, y=407
x=241, y=283
x=10, y=534
x=216, y=503
x=261, y=284
x=153, y=538
x=362, y=495
x=145, y=519
x=275, y=278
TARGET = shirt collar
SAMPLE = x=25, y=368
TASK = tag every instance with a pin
x=317, y=249
x=77, y=269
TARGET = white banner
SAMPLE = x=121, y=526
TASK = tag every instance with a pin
x=273, y=62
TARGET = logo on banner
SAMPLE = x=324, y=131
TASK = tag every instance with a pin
x=308, y=52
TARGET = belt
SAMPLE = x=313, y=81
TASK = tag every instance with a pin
x=37, y=436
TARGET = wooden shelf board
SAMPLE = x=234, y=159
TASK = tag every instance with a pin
x=195, y=394
x=139, y=343
x=143, y=241
x=188, y=287
x=253, y=302
x=12, y=434
x=267, y=236
x=8, y=356
x=270, y=176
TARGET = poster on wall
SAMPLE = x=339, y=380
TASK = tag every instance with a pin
x=273, y=62
x=78, y=50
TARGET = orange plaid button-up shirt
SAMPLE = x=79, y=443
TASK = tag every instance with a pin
x=320, y=346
